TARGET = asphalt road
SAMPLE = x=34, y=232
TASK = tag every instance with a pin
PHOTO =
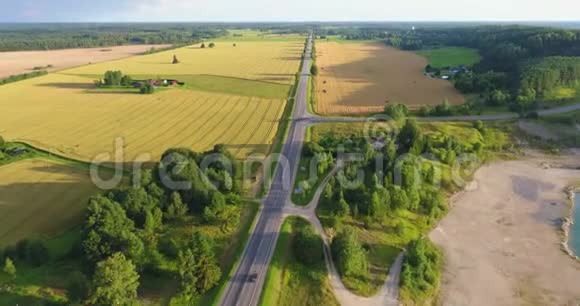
x=245, y=287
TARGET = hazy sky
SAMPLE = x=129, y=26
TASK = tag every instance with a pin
x=288, y=10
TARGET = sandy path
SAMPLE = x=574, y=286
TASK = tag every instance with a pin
x=388, y=295
x=501, y=239
x=18, y=62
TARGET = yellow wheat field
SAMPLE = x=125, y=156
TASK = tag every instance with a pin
x=56, y=113
x=273, y=61
x=358, y=78
x=59, y=113
x=39, y=197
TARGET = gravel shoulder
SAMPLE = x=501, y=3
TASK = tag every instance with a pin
x=502, y=237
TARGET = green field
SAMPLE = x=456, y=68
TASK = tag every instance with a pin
x=210, y=83
x=245, y=35
x=289, y=282
x=450, y=56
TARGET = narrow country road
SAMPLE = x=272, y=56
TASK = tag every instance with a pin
x=245, y=286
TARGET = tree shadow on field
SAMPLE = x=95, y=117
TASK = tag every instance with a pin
x=69, y=85
x=255, y=148
x=33, y=210
x=289, y=58
x=17, y=299
x=383, y=74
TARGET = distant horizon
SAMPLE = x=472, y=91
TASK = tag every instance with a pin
x=297, y=21
x=225, y=11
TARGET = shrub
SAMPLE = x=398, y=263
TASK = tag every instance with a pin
x=9, y=267
x=421, y=272
x=396, y=111
x=20, y=77
x=349, y=254
x=126, y=81
x=307, y=246
x=314, y=70
x=148, y=89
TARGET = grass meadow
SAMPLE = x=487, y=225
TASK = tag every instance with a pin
x=450, y=56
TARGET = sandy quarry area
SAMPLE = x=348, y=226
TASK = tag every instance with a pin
x=18, y=62
x=501, y=239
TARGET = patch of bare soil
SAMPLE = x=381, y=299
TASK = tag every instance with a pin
x=537, y=130
x=19, y=62
x=502, y=239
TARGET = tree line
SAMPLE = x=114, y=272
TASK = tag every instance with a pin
x=61, y=36
x=518, y=62
x=127, y=232
x=21, y=77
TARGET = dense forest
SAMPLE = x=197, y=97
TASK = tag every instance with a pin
x=16, y=37
x=542, y=75
x=518, y=64
x=55, y=36
x=150, y=230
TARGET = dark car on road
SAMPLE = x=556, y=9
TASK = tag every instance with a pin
x=252, y=278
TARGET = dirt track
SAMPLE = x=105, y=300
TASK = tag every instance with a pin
x=361, y=77
x=19, y=62
x=501, y=239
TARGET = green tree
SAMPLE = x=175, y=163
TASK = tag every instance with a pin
x=350, y=256
x=113, y=78
x=399, y=198
x=198, y=267
x=176, y=209
x=342, y=209
x=396, y=111
x=108, y=230
x=148, y=89
x=314, y=70
x=115, y=282
x=408, y=136
x=218, y=212
x=421, y=271
x=307, y=245
x=9, y=267
x=376, y=208
x=126, y=81
x=153, y=219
